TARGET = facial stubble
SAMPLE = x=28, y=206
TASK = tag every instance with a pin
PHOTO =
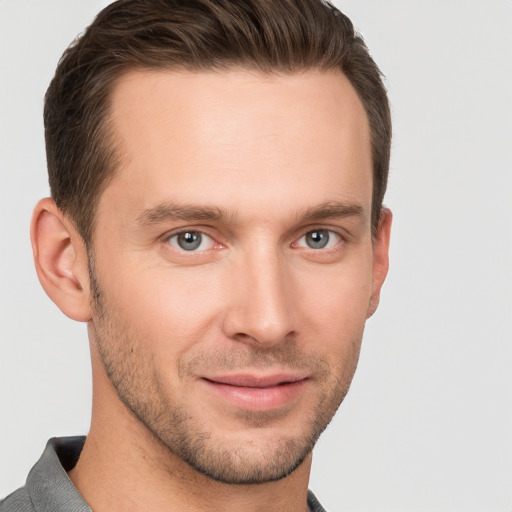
x=130, y=366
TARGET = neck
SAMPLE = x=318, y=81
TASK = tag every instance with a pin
x=123, y=467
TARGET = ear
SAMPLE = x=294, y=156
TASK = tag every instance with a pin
x=380, y=258
x=61, y=260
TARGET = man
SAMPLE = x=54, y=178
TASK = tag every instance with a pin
x=217, y=171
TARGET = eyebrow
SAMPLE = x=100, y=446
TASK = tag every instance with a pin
x=169, y=211
x=332, y=210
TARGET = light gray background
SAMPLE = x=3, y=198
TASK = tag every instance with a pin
x=427, y=425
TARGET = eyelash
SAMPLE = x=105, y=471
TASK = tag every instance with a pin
x=331, y=234
x=183, y=232
x=339, y=239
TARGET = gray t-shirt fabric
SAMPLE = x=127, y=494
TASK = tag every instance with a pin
x=49, y=489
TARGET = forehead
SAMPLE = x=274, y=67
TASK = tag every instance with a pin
x=239, y=136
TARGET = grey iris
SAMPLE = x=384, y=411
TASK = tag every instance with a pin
x=317, y=239
x=189, y=240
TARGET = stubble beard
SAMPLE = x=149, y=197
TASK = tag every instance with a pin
x=131, y=370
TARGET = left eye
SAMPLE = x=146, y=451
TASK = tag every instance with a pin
x=191, y=241
x=319, y=239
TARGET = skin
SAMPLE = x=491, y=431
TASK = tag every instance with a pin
x=254, y=164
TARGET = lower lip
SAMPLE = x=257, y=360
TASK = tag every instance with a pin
x=258, y=399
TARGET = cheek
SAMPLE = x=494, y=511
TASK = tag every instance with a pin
x=333, y=313
x=338, y=297
x=172, y=310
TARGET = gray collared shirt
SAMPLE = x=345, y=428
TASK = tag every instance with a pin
x=49, y=489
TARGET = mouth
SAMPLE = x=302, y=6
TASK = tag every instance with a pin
x=256, y=392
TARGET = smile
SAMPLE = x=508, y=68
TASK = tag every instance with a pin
x=257, y=393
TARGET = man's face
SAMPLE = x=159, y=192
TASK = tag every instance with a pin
x=233, y=262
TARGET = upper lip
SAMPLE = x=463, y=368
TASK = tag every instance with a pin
x=256, y=381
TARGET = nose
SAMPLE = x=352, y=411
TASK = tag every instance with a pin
x=260, y=307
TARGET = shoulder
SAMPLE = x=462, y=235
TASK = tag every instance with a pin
x=48, y=487
x=313, y=503
x=18, y=501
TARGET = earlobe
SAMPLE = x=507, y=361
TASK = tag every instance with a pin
x=60, y=257
x=380, y=258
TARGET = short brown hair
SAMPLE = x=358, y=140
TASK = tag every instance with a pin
x=264, y=35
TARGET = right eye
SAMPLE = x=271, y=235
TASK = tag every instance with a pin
x=191, y=241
